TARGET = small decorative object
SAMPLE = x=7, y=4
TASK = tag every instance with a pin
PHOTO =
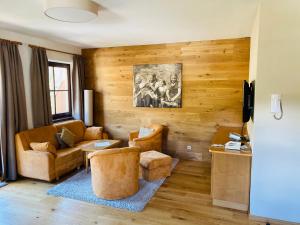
x=157, y=85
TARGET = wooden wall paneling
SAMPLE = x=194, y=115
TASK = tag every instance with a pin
x=212, y=75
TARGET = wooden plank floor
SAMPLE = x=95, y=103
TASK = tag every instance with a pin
x=183, y=199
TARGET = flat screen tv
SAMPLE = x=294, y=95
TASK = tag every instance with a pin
x=248, y=100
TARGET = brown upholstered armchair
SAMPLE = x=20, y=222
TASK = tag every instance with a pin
x=115, y=172
x=151, y=142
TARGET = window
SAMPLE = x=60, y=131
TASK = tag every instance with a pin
x=60, y=90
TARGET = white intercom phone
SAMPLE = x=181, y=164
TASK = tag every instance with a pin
x=276, y=106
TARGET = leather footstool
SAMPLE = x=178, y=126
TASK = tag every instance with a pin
x=155, y=165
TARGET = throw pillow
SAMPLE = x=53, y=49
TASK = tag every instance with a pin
x=61, y=143
x=93, y=133
x=43, y=147
x=68, y=137
x=144, y=132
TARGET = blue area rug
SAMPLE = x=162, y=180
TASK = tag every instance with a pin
x=2, y=184
x=79, y=187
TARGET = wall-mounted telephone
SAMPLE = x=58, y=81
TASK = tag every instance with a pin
x=276, y=106
x=235, y=136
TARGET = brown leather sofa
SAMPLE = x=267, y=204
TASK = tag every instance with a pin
x=151, y=142
x=44, y=165
x=115, y=172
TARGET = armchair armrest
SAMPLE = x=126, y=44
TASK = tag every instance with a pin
x=114, y=151
x=147, y=138
x=133, y=135
x=36, y=164
x=151, y=142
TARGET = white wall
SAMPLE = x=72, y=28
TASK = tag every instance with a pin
x=25, y=53
x=275, y=184
x=253, y=62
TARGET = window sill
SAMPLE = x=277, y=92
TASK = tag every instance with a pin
x=63, y=119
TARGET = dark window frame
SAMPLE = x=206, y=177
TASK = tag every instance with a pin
x=57, y=117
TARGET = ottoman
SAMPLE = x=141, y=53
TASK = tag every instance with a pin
x=155, y=165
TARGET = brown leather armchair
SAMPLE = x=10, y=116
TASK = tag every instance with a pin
x=151, y=142
x=115, y=172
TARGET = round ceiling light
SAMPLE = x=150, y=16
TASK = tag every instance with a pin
x=74, y=11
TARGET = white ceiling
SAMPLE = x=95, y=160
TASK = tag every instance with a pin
x=136, y=22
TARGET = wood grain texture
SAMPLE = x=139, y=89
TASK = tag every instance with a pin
x=222, y=137
x=230, y=174
x=231, y=181
x=184, y=199
x=212, y=77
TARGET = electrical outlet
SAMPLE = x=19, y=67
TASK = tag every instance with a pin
x=189, y=148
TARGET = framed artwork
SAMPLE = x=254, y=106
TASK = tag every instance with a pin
x=157, y=85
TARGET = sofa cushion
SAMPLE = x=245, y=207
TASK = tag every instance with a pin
x=93, y=133
x=67, y=159
x=68, y=137
x=75, y=126
x=62, y=153
x=61, y=143
x=43, y=147
x=154, y=159
x=41, y=134
x=144, y=132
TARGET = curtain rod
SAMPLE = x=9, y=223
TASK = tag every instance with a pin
x=15, y=42
x=53, y=50
x=49, y=49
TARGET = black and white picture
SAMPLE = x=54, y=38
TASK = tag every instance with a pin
x=157, y=85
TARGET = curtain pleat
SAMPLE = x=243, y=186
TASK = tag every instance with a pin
x=77, y=87
x=13, y=117
x=41, y=104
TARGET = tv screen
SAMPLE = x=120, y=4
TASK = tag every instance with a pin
x=248, y=100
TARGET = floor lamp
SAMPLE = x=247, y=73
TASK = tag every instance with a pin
x=88, y=107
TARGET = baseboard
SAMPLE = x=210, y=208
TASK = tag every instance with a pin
x=269, y=220
x=232, y=205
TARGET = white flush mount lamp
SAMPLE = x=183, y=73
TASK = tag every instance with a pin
x=74, y=11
